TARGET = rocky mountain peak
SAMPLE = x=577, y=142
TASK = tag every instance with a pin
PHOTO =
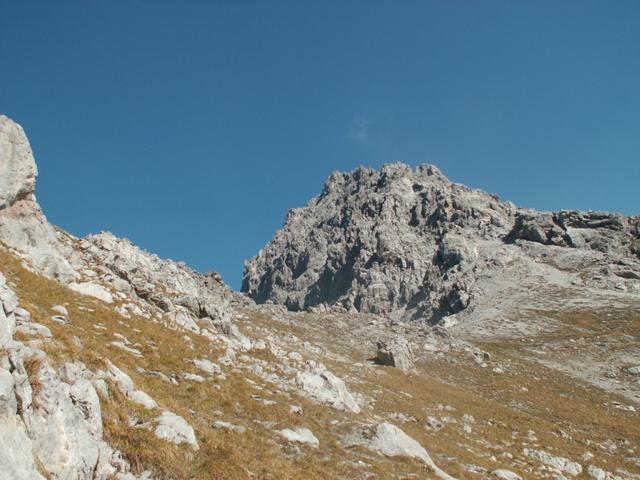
x=412, y=244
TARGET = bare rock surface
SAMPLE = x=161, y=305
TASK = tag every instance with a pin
x=175, y=429
x=410, y=244
x=323, y=387
x=22, y=223
x=300, y=435
x=390, y=440
x=395, y=353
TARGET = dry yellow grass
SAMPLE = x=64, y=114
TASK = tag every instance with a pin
x=33, y=365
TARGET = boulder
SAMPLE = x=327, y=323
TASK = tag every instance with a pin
x=395, y=353
x=506, y=475
x=323, y=387
x=175, y=429
x=391, y=441
x=300, y=435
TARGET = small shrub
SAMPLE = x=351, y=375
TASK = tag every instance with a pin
x=33, y=365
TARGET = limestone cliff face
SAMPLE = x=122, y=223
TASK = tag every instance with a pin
x=411, y=244
x=18, y=178
x=23, y=226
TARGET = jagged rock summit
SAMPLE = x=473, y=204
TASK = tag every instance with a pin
x=411, y=244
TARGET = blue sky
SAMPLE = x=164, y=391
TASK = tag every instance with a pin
x=192, y=127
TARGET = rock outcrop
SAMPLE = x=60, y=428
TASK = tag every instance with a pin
x=391, y=441
x=395, y=353
x=23, y=226
x=413, y=245
x=323, y=387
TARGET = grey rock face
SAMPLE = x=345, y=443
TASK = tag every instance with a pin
x=22, y=223
x=395, y=353
x=17, y=168
x=413, y=245
x=188, y=296
x=604, y=232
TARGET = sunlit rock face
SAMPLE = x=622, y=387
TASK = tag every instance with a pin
x=23, y=226
x=413, y=245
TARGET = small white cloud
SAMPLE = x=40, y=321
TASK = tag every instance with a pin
x=359, y=129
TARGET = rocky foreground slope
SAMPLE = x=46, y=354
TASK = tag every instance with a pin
x=115, y=363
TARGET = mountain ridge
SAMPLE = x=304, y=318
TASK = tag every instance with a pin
x=389, y=242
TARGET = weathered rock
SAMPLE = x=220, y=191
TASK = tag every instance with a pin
x=389, y=440
x=189, y=299
x=22, y=224
x=17, y=463
x=409, y=244
x=17, y=168
x=85, y=398
x=300, y=435
x=506, y=475
x=323, y=387
x=92, y=290
x=395, y=353
x=561, y=464
x=175, y=429
x=8, y=304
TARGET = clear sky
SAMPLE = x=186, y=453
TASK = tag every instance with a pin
x=191, y=127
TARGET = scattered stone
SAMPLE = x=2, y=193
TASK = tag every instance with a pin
x=59, y=319
x=193, y=377
x=60, y=309
x=561, y=464
x=122, y=346
x=300, y=435
x=432, y=423
x=175, y=429
x=229, y=426
x=506, y=475
x=207, y=366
